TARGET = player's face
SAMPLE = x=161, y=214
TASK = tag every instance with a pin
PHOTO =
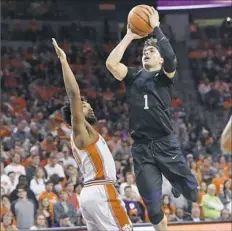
x=151, y=58
x=88, y=113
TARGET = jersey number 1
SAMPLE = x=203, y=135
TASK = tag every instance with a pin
x=146, y=102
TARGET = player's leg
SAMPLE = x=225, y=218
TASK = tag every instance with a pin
x=87, y=211
x=103, y=210
x=149, y=183
x=175, y=168
x=117, y=218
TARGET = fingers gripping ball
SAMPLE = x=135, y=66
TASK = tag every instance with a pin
x=138, y=20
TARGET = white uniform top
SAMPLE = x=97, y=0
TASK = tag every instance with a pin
x=95, y=161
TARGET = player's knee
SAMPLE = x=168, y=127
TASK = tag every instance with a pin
x=192, y=195
x=155, y=214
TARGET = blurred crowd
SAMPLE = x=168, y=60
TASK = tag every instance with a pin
x=40, y=180
x=42, y=10
x=211, y=63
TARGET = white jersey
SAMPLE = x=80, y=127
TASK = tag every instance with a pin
x=95, y=161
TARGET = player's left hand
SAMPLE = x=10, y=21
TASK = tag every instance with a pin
x=153, y=16
x=60, y=53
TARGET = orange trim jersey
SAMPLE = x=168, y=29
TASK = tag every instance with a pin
x=95, y=161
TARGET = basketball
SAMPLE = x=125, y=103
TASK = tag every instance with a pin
x=138, y=20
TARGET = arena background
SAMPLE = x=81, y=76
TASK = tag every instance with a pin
x=32, y=93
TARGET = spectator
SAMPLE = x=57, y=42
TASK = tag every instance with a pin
x=226, y=196
x=46, y=208
x=212, y=206
x=207, y=171
x=130, y=181
x=54, y=168
x=195, y=214
x=179, y=217
x=63, y=207
x=219, y=180
x=202, y=192
x=5, y=181
x=72, y=174
x=13, y=180
x=15, y=167
x=48, y=193
x=119, y=171
x=30, y=194
x=72, y=197
x=40, y=222
x=167, y=208
x=8, y=222
x=5, y=204
x=133, y=207
x=30, y=171
x=20, y=133
x=68, y=160
x=65, y=221
x=23, y=209
x=196, y=171
x=123, y=151
x=34, y=135
x=225, y=215
x=37, y=184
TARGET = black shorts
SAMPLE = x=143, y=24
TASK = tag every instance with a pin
x=156, y=157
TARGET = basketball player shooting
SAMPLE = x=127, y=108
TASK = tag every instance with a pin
x=100, y=204
x=155, y=149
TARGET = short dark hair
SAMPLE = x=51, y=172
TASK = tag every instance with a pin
x=48, y=182
x=21, y=186
x=151, y=42
x=66, y=110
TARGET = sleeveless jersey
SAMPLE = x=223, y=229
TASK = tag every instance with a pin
x=95, y=161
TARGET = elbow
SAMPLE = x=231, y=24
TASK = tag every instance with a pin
x=170, y=63
x=109, y=64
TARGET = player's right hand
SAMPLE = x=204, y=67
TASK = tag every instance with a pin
x=60, y=53
x=132, y=34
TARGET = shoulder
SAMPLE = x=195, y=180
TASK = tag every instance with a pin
x=32, y=181
x=132, y=74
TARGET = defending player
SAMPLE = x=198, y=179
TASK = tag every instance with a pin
x=99, y=201
x=149, y=93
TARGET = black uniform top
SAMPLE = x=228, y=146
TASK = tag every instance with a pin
x=149, y=96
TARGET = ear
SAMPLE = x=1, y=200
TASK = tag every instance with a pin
x=161, y=60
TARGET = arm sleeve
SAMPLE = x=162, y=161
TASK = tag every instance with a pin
x=131, y=75
x=170, y=61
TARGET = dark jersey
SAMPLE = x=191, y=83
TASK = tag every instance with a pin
x=149, y=96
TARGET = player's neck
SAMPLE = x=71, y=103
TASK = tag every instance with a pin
x=151, y=69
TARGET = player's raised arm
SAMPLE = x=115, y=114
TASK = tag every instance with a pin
x=113, y=62
x=170, y=61
x=73, y=92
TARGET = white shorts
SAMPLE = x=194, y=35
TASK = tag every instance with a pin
x=102, y=209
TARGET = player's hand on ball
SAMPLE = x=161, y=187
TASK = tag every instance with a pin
x=132, y=34
x=60, y=53
x=154, y=17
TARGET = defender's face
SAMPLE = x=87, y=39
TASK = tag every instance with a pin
x=88, y=113
x=151, y=57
